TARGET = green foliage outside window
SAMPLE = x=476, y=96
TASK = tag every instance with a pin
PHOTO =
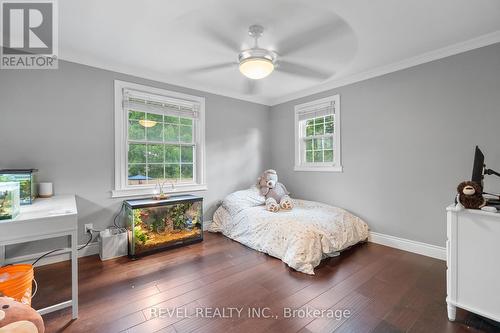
x=160, y=148
x=319, y=139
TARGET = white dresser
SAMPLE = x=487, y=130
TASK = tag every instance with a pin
x=473, y=259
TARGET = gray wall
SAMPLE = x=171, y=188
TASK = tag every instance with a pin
x=407, y=141
x=61, y=122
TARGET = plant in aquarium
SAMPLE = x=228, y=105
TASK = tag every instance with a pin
x=137, y=217
x=153, y=219
x=140, y=235
x=5, y=203
x=177, y=214
x=9, y=200
x=25, y=186
x=137, y=226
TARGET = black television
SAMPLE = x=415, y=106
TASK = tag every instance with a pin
x=478, y=168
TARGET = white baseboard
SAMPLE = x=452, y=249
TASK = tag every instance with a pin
x=424, y=249
x=91, y=249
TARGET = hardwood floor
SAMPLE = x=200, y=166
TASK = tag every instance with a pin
x=369, y=288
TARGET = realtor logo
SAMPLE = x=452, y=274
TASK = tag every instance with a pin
x=29, y=37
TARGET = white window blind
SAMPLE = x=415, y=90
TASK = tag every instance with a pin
x=315, y=111
x=135, y=100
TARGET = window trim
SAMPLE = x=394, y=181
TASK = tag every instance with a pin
x=336, y=166
x=121, y=187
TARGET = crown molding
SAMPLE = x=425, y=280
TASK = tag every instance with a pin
x=142, y=73
x=481, y=41
x=471, y=44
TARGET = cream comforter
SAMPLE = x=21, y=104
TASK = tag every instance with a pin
x=301, y=237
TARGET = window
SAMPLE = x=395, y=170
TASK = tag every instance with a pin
x=159, y=137
x=317, y=135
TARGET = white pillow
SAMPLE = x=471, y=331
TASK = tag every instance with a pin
x=239, y=200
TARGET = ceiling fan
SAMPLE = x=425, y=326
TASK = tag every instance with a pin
x=257, y=63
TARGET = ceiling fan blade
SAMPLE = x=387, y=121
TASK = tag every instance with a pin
x=301, y=70
x=329, y=29
x=211, y=68
x=250, y=87
x=222, y=39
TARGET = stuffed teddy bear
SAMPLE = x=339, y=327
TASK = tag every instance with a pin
x=470, y=195
x=276, y=193
x=16, y=317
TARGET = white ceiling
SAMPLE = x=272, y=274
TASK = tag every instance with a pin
x=345, y=40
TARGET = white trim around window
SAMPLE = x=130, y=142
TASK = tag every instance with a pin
x=122, y=187
x=323, y=111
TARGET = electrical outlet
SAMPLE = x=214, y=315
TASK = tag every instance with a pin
x=88, y=226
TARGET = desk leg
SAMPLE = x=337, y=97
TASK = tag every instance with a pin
x=74, y=274
x=2, y=255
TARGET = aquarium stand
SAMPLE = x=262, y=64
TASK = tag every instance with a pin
x=157, y=225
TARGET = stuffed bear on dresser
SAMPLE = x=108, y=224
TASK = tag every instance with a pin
x=470, y=195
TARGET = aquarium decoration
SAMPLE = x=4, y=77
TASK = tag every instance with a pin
x=158, y=224
x=159, y=192
x=27, y=182
x=9, y=200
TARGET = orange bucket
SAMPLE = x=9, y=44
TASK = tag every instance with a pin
x=16, y=281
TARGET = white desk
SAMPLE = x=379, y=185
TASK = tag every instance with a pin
x=44, y=219
x=472, y=251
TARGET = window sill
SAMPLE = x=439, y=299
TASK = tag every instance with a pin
x=318, y=168
x=148, y=191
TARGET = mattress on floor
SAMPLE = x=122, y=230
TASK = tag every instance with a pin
x=301, y=237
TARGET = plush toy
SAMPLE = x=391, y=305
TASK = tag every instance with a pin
x=470, y=195
x=276, y=194
x=16, y=317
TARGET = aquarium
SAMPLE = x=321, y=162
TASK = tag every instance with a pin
x=9, y=200
x=26, y=180
x=155, y=225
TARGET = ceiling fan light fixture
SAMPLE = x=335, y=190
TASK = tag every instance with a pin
x=147, y=123
x=256, y=68
x=256, y=63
